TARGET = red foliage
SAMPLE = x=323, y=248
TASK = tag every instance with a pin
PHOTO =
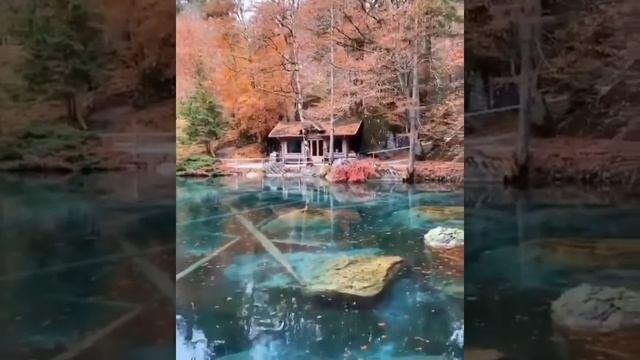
x=353, y=172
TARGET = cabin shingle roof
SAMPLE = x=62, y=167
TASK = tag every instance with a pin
x=294, y=128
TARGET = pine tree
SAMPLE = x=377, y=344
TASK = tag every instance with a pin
x=65, y=50
x=201, y=112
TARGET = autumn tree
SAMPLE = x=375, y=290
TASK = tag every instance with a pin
x=316, y=60
x=249, y=77
x=145, y=46
x=65, y=51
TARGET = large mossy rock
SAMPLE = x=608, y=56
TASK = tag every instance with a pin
x=441, y=213
x=363, y=277
x=596, y=318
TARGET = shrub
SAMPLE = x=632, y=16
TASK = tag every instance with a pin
x=353, y=172
x=42, y=139
x=196, y=162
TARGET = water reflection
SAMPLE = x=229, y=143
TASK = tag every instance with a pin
x=572, y=248
x=245, y=299
x=74, y=250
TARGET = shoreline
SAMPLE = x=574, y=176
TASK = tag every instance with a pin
x=426, y=172
x=556, y=162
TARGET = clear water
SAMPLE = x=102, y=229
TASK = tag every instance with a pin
x=241, y=304
x=63, y=276
x=509, y=292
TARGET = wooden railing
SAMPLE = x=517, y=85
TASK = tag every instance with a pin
x=245, y=162
x=375, y=153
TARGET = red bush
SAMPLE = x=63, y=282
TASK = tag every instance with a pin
x=353, y=172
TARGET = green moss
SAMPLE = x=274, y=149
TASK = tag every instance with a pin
x=43, y=140
x=196, y=162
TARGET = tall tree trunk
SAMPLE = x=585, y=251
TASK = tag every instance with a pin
x=68, y=99
x=332, y=129
x=72, y=110
x=295, y=75
x=415, y=104
x=526, y=90
x=78, y=114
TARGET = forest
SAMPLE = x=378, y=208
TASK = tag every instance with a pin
x=74, y=71
x=580, y=74
x=244, y=66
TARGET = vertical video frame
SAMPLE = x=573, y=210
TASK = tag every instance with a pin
x=320, y=170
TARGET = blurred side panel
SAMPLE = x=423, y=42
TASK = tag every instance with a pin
x=551, y=179
x=87, y=179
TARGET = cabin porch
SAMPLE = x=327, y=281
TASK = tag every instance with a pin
x=314, y=150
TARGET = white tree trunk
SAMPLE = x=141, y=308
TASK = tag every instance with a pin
x=332, y=130
x=415, y=104
x=527, y=85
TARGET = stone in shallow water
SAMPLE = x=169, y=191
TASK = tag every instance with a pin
x=311, y=217
x=359, y=277
x=483, y=354
x=597, y=309
x=444, y=238
x=599, y=322
x=445, y=246
x=441, y=212
x=268, y=273
x=585, y=252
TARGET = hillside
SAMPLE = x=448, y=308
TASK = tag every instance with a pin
x=129, y=86
x=322, y=62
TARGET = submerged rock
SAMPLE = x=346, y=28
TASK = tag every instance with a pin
x=588, y=253
x=311, y=217
x=597, y=309
x=445, y=246
x=453, y=288
x=483, y=354
x=268, y=273
x=442, y=212
x=444, y=238
x=598, y=322
x=359, y=277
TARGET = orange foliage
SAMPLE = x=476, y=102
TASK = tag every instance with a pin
x=353, y=172
x=245, y=78
x=259, y=66
x=142, y=40
x=193, y=38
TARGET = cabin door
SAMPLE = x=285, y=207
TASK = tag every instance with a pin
x=316, y=149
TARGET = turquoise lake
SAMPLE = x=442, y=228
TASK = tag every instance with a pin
x=241, y=304
x=76, y=252
x=510, y=282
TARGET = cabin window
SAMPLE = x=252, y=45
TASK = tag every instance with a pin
x=337, y=145
x=294, y=147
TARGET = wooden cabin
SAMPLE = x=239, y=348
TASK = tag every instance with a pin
x=307, y=142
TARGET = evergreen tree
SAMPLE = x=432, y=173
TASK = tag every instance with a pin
x=201, y=112
x=65, y=50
